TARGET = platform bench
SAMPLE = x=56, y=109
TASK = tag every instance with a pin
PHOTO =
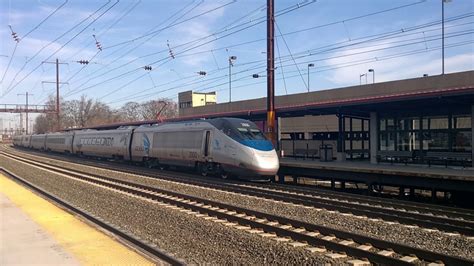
x=447, y=157
x=399, y=156
x=360, y=152
x=305, y=153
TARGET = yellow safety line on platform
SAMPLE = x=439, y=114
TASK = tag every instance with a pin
x=87, y=244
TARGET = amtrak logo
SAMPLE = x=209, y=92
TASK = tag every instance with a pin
x=216, y=145
x=146, y=144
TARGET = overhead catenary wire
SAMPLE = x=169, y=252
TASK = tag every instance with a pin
x=9, y=88
x=281, y=66
x=45, y=19
x=136, y=46
x=289, y=51
x=28, y=33
x=172, y=25
x=397, y=32
x=462, y=33
x=344, y=65
x=298, y=6
x=322, y=51
x=144, y=41
x=165, y=59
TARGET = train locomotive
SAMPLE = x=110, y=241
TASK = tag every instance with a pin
x=221, y=146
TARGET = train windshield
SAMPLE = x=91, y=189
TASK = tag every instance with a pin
x=251, y=133
x=243, y=131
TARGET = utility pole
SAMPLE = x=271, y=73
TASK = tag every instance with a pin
x=57, y=93
x=270, y=72
x=442, y=32
x=26, y=109
x=57, y=90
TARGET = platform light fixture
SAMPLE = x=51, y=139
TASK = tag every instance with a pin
x=373, y=75
x=360, y=78
x=309, y=65
x=231, y=64
x=442, y=32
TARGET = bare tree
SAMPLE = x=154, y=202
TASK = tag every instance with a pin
x=86, y=112
x=130, y=112
x=158, y=109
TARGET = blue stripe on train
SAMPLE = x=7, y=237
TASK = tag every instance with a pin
x=262, y=145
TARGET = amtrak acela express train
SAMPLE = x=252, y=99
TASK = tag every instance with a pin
x=220, y=146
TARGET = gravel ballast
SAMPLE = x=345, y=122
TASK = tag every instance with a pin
x=195, y=240
x=434, y=241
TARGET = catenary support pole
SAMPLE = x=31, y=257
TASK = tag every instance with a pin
x=57, y=95
x=270, y=73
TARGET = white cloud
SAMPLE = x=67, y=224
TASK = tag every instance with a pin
x=398, y=67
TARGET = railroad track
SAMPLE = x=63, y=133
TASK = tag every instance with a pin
x=319, y=238
x=141, y=246
x=449, y=220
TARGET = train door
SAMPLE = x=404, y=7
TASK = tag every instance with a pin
x=207, y=144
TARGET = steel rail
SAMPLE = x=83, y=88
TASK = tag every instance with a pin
x=389, y=214
x=186, y=201
x=138, y=244
x=408, y=205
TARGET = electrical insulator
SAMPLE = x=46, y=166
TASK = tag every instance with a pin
x=147, y=67
x=202, y=73
x=170, y=51
x=97, y=43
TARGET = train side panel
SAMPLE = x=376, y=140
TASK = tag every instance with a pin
x=107, y=143
x=17, y=140
x=178, y=147
x=25, y=141
x=59, y=142
x=38, y=141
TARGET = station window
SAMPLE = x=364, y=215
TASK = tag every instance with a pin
x=449, y=132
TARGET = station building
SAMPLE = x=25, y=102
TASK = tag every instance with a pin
x=189, y=99
x=427, y=120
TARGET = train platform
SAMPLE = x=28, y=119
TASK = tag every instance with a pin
x=34, y=231
x=434, y=177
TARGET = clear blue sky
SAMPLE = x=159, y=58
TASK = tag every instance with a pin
x=203, y=34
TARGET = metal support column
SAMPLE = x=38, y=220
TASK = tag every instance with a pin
x=57, y=95
x=341, y=140
x=373, y=137
x=472, y=135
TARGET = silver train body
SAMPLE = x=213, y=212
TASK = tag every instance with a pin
x=221, y=146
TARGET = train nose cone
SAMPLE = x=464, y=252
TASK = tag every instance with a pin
x=267, y=162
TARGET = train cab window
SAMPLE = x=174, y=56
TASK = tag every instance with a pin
x=238, y=129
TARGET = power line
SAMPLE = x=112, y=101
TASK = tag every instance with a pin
x=44, y=47
x=172, y=25
x=138, y=45
x=282, y=12
x=462, y=33
x=60, y=48
x=289, y=51
x=281, y=66
x=45, y=19
x=355, y=63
